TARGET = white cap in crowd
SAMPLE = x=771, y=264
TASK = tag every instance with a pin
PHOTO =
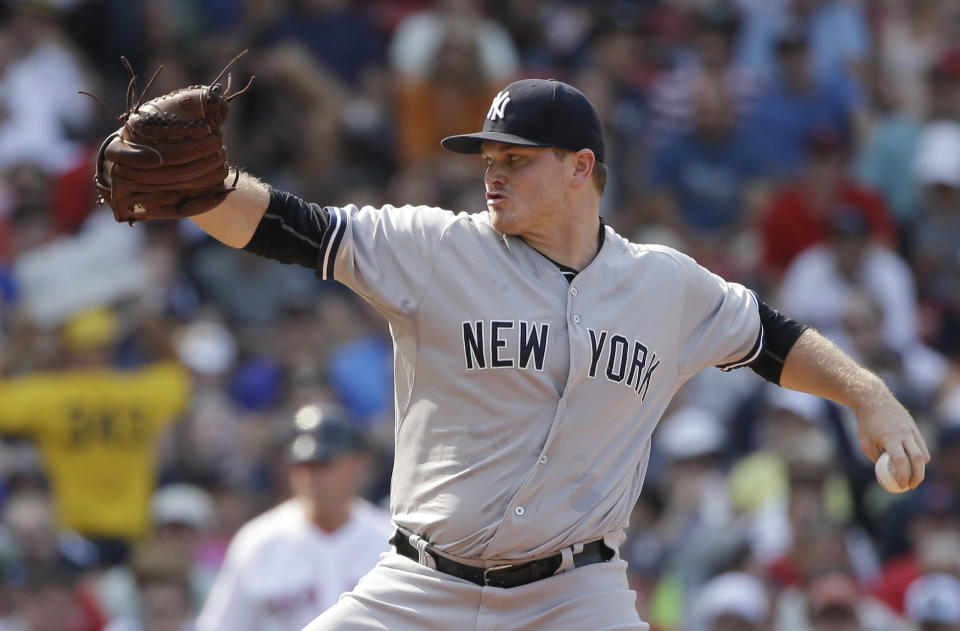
x=206, y=347
x=690, y=432
x=183, y=504
x=803, y=405
x=734, y=594
x=933, y=599
x=937, y=159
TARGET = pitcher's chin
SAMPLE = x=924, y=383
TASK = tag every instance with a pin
x=502, y=220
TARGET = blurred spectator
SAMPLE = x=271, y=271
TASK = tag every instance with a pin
x=887, y=160
x=356, y=367
x=181, y=24
x=452, y=94
x=257, y=384
x=789, y=428
x=708, y=182
x=293, y=85
x=796, y=103
x=205, y=346
x=799, y=213
x=36, y=206
x=929, y=519
x=810, y=521
x=839, y=35
x=914, y=373
x=163, y=588
x=645, y=547
x=552, y=36
x=912, y=34
x=106, y=267
x=182, y=515
x=97, y=428
x=369, y=139
x=46, y=600
x=696, y=517
x=210, y=442
x=30, y=530
x=732, y=602
x=936, y=232
x=944, y=86
x=820, y=282
x=25, y=221
x=247, y=290
x=340, y=35
x=933, y=602
x=618, y=90
x=673, y=95
x=837, y=30
x=180, y=512
x=361, y=372
x=41, y=114
x=419, y=38
x=290, y=564
x=833, y=601
x=47, y=565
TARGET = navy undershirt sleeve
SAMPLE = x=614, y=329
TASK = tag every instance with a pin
x=290, y=231
x=779, y=334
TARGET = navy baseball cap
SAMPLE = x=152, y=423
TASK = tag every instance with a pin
x=537, y=113
x=323, y=432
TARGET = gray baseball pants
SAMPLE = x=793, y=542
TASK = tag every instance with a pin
x=402, y=595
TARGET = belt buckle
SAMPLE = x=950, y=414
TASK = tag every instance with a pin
x=496, y=568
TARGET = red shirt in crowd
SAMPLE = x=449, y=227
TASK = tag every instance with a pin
x=898, y=573
x=791, y=224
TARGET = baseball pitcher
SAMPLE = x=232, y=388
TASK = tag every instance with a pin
x=535, y=351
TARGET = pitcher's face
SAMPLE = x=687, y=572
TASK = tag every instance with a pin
x=524, y=187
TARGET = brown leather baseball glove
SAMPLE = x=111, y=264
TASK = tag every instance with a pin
x=167, y=160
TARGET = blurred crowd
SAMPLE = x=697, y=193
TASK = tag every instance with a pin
x=809, y=149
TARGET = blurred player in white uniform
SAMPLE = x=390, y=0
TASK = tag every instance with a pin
x=289, y=564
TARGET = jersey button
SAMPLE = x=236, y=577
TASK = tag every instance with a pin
x=543, y=460
x=518, y=510
x=574, y=291
x=576, y=318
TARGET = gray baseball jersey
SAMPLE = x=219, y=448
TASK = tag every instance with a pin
x=525, y=404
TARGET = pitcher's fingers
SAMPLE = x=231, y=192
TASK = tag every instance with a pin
x=918, y=462
x=870, y=448
x=923, y=445
x=901, y=462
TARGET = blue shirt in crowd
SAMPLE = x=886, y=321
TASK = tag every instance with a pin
x=707, y=178
x=837, y=31
x=784, y=120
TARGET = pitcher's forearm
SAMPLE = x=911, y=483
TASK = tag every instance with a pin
x=235, y=220
x=815, y=365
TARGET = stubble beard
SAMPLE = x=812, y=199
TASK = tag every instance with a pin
x=505, y=221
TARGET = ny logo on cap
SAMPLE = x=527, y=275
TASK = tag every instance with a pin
x=499, y=103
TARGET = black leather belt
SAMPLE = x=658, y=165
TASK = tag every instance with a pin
x=506, y=575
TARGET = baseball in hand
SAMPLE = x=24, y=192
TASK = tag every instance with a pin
x=885, y=474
